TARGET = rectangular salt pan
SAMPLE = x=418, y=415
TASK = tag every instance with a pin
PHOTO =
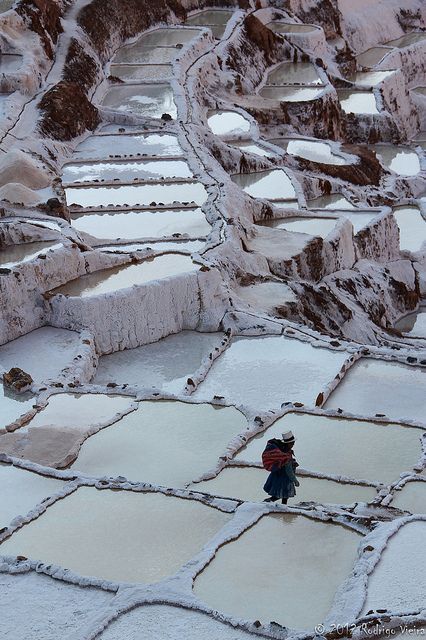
x=374, y=386
x=290, y=94
x=330, y=445
x=286, y=27
x=78, y=533
x=321, y=227
x=335, y=201
x=248, y=147
x=147, y=100
x=143, y=224
x=290, y=371
x=132, y=195
x=357, y=102
x=293, y=73
x=14, y=255
x=273, y=184
x=156, y=72
x=413, y=325
x=167, y=37
x=107, y=146
x=314, y=151
x=372, y=56
x=146, y=54
x=412, y=497
x=412, y=228
x=13, y=405
x=125, y=171
x=227, y=123
x=369, y=78
x=186, y=246
x=110, y=280
x=402, y=161
x=407, y=40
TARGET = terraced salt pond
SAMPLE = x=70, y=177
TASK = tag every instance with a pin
x=245, y=483
x=312, y=226
x=311, y=150
x=9, y=62
x=140, y=54
x=162, y=443
x=266, y=296
x=215, y=19
x=369, y=78
x=334, y=201
x=147, y=100
x=273, y=185
x=116, y=278
x=293, y=73
x=414, y=324
x=291, y=94
x=373, y=56
x=125, y=171
x=164, y=37
x=310, y=560
x=248, y=147
x=402, y=161
x=182, y=246
x=21, y=491
x=223, y=123
x=161, y=145
x=133, y=195
x=131, y=72
x=143, y=224
x=17, y=254
x=358, y=102
x=359, y=219
x=412, y=497
x=68, y=534
x=165, y=364
x=326, y=445
x=13, y=405
x=407, y=40
x=291, y=371
x=412, y=228
x=292, y=28
x=374, y=386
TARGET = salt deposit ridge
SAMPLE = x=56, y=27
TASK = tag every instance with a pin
x=212, y=230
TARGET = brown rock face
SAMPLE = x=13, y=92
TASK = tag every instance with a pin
x=367, y=171
x=17, y=379
x=44, y=17
x=79, y=66
x=67, y=112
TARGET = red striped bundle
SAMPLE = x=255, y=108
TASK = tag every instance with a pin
x=274, y=457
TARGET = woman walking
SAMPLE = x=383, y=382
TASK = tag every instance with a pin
x=278, y=459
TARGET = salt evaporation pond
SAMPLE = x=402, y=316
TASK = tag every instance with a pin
x=293, y=73
x=5, y=5
x=184, y=246
x=412, y=497
x=13, y=405
x=294, y=28
x=159, y=145
x=271, y=185
x=21, y=491
x=125, y=171
x=17, y=254
x=314, y=151
x=140, y=54
x=42, y=223
x=291, y=371
x=165, y=37
x=147, y=100
x=321, y=227
x=359, y=219
x=402, y=161
x=374, y=386
x=334, y=201
x=358, y=102
x=407, y=40
x=414, y=324
x=163, y=442
x=141, y=194
x=249, y=147
x=412, y=228
x=110, y=280
x=215, y=19
x=372, y=56
x=310, y=560
x=223, y=123
x=369, y=78
x=78, y=533
x=143, y=224
x=266, y=296
x=9, y=62
x=326, y=445
x=144, y=72
x=286, y=204
x=246, y=484
x=42, y=353
x=398, y=582
x=165, y=364
x=165, y=622
x=291, y=94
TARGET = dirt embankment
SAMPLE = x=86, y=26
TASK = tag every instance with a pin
x=44, y=18
x=67, y=112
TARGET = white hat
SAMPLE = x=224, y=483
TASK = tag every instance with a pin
x=288, y=437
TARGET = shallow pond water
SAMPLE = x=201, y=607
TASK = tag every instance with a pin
x=5, y=5
x=359, y=219
x=372, y=56
x=315, y=151
x=291, y=94
x=412, y=228
x=246, y=483
x=215, y=20
x=227, y=122
x=42, y=353
x=287, y=27
x=310, y=560
x=9, y=62
x=294, y=73
x=42, y=223
x=414, y=324
x=266, y=296
x=165, y=364
x=116, y=278
x=69, y=534
x=149, y=144
x=140, y=224
x=286, y=204
x=407, y=40
x=250, y=147
x=16, y=254
x=326, y=445
x=292, y=371
x=21, y=491
x=334, y=201
x=358, y=102
x=13, y=405
x=145, y=54
x=164, y=442
x=184, y=246
x=398, y=582
x=152, y=46
x=147, y=100
x=369, y=78
x=373, y=386
x=412, y=497
x=134, y=195
x=313, y=226
x=132, y=72
x=402, y=161
x=125, y=170
x=271, y=185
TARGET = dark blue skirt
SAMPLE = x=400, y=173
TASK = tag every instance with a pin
x=280, y=485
